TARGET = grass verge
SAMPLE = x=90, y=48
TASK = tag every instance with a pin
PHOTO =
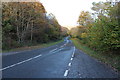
x=112, y=60
x=33, y=47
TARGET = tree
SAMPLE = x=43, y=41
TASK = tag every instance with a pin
x=64, y=31
x=84, y=18
x=101, y=33
x=27, y=22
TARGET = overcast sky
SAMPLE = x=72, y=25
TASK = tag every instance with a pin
x=67, y=11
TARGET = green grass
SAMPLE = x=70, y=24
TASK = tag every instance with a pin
x=112, y=60
x=33, y=47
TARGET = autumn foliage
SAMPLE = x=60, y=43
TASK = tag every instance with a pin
x=27, y=23
x=100, y=30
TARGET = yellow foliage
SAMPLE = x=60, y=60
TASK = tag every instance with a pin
x=83, y=35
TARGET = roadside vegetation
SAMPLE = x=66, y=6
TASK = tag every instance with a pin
x=28, y=24
x=35, y=46
x=98, y=33
x=112, y=60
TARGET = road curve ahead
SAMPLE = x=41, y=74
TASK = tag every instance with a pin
x=62, y=60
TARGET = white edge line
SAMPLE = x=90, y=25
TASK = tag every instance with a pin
x=66, y=73
x=20, y=62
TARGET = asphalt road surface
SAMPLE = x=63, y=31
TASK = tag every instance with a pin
x=62, y=60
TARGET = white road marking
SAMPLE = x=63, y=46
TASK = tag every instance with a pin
x=61, y=46
x=66, y=73
x=71, y=59
x=20, y=62
x=79, y=74
x=69, y=64
x=57, y=50
x=73, y=52
x=36, y=56
x=53, y=49
x=65, y=43
x=72, y=55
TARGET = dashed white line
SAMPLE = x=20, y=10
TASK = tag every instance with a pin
x=53, y=50
x=57, y=50
x=71, y=59
x=62, y=46
x=72, y=55
x=73, y=52
x=36, y=56
x=20, y=62
x=66, y=73
x=69, y=64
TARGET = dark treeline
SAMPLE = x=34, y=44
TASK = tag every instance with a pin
x=26, y=23
x=100, y=30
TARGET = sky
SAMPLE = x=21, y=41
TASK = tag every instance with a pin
x=67, y=11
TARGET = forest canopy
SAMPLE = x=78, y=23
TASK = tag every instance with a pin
x=25, y=23
x=100, y=30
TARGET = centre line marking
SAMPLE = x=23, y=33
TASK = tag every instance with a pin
x=69, y=64
x=53, y=50
x=71, y=59
x=73, y=52
x=58, y=50
x=20, y=63
x=66, y=73
x=72, y=55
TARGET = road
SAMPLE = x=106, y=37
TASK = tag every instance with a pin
x=62, y=60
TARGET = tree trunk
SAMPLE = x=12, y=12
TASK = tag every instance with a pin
x=32, y=31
